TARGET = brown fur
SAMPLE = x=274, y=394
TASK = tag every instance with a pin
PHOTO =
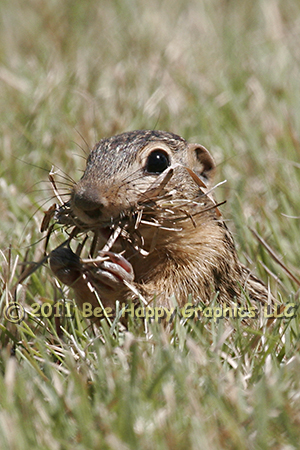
x=194, y=258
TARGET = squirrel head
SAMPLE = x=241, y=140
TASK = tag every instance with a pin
x=131, y=168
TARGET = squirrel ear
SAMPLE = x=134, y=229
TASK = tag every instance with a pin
x=201, y=162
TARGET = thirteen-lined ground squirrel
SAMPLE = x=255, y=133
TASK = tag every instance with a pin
x=151, y=191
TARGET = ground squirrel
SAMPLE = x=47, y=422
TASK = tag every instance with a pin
x=153, y=189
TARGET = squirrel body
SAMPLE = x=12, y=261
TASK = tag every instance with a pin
x=173, y=243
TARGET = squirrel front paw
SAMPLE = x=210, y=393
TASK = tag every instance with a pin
x=108, y=272
x=105, y=274
x=65, y=265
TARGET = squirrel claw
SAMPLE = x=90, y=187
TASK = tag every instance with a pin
x=106, y=277
x=110, y=273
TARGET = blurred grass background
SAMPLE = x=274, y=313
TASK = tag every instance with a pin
x=222, y=73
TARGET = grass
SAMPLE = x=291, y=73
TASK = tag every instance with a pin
x=221, y=73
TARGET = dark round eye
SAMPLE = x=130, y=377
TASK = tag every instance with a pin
x=157, y=162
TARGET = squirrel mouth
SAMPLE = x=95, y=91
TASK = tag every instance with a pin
x=105, y=232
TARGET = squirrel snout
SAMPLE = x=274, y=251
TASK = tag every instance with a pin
x=88, y=202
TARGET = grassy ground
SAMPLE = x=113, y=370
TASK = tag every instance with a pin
x=221, y=73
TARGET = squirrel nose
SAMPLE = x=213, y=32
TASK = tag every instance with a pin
x=88, y=201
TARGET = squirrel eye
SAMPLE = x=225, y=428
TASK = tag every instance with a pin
x=157, y=162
